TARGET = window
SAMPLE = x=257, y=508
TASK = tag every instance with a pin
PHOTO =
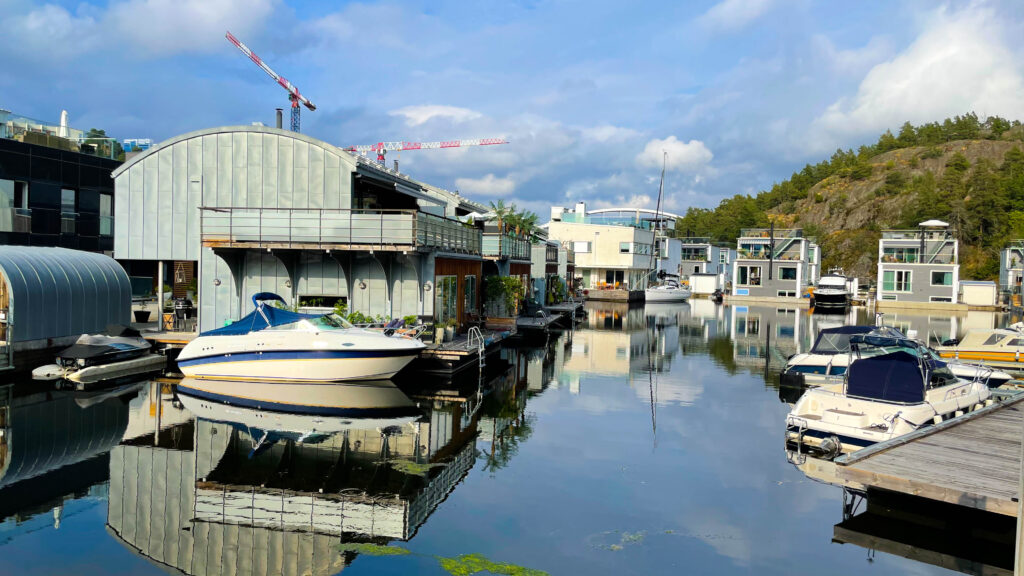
x=942, y=278
x=787, y=273
x=446, y=289
x=899, y=255
x=723, y=256
x=470, y=302
x=106, y=215
x=1016, y=342
x=940, y=299
x=581, y=247
x=896, y=281
x=786, y=294
x=623, y=247
x=696, y=269
x=993, y=340
x=749, y=276
x=67, y=211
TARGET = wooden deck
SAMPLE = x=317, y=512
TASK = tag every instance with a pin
x=171, y=339
x=527, y=323
x=972, y=461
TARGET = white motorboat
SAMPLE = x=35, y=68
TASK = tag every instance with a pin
x=94, y=358
x=829, y=357
x=890, y=388
x=833, y=290
x=276, y=344
x=1000, y=347
x=668, y=291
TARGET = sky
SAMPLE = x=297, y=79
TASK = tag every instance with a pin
x=590, y=94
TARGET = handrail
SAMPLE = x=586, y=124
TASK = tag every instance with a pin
x=332, y=226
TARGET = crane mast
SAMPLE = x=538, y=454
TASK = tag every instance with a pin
x=293, y=93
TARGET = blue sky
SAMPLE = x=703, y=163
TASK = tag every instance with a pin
x=739, y=92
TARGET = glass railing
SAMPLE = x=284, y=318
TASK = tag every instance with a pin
x=768, y=233
x=324, y=228
x=498, y=245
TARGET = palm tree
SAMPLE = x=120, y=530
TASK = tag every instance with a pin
x=528, y=220
x=501, y=211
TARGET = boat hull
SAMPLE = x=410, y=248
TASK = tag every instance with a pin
x=679, y=295
x=831, y=299
x=300, y=365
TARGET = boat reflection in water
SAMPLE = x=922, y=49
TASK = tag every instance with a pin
x=257, y=491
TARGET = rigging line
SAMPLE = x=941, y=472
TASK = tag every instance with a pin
x=657, y=211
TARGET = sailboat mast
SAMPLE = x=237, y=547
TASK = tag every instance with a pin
x=657, y=210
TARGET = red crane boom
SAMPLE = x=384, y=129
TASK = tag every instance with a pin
x=293, y=93
x=383, y=147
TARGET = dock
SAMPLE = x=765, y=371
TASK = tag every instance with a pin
x=459, y=354
x=972, y=461
x=543, y=323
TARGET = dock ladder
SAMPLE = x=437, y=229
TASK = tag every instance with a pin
x=476, y=338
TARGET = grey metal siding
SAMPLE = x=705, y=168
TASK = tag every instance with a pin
x=921, y=289
x=158, y=194
x=373, y=299
x=56, y=292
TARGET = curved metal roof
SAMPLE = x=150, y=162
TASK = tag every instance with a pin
x=57, y=292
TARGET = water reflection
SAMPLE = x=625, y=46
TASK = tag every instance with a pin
x=556, y=433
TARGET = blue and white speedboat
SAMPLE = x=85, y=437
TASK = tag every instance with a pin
x=889, y=389
x=276, y=344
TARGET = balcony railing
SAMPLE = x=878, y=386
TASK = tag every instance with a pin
x=913, y=259
x=499, y=245
x=313, y=228
x=763, y=255
x=767, y=233
x=67, y=222
x=916, y=235
x=21, y=220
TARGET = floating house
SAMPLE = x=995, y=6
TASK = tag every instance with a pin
x=772, y=263
x=919, y=268
x=1011, y=269
x=612, y=247
x=706, y=264
x=257, y=209
x=51, y=296
x=544, y=270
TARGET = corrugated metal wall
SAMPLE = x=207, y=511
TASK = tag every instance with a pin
x=369, y=287
x=56, y=292
x=158, y=195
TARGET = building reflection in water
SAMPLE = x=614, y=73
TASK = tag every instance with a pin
x=252, y=492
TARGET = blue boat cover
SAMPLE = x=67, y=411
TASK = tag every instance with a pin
x=893, y=377
x=254, y=321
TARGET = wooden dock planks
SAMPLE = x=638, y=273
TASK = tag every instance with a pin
x=974, y=463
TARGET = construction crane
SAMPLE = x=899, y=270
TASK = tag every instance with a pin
x=381, y=148
x=293, y=92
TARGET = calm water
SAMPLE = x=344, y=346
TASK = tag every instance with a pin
x=647, y=441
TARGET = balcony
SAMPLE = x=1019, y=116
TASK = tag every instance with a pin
x=551, y=254
x=767, y=233
x=505, y=246
x=324, y=229
x=67, y=223
x=21, y=220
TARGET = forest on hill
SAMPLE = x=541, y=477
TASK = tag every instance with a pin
x=963, y=170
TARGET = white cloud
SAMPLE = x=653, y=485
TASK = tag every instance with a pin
x=852, y=60
x=49, y=31
x=489, y=185
x=731, y=15
x=686, y=156
x=958, y=64
x=417, y=115
x=608, y=133
x=173, y=26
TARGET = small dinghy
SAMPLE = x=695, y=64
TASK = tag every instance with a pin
x=96, y=358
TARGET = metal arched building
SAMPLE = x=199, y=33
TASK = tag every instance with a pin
x=50, y=296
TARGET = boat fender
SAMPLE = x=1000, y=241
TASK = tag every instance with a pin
x=937, y=419
x=830, y=446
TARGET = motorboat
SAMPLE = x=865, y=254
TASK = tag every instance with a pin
x=828, y=359
x=890, y=388
x=276, y=344
x=833, y=290
x=669, y=290
x=999, y=347
x=118, y=354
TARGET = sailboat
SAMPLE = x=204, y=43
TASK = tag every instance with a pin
x=669, y=289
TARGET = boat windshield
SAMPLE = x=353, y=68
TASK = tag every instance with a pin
x=318, y=324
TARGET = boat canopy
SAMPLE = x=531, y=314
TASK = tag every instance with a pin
x=837, y=340
x=261, y=318
x=893, y=377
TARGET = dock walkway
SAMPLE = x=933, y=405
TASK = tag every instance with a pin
x=973, y=461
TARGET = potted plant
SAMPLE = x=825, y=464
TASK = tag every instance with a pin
x=449, y=329
x=503, y=295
